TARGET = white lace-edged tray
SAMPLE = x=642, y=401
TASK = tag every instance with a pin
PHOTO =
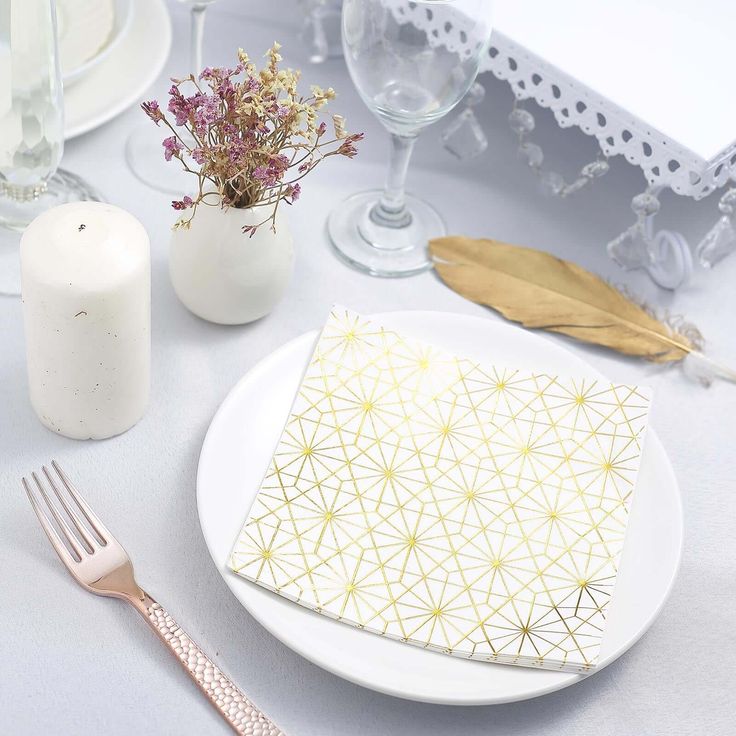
x=650, y=79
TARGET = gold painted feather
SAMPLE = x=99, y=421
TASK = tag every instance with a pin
x=541, y=291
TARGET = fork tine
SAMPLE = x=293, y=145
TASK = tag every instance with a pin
x=51, y=533
x=87, y=540
x=62, y=524
x=94, y=521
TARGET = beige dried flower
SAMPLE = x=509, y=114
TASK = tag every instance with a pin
x=339, y=122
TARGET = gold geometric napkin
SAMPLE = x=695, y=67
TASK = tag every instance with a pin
x=474, y=510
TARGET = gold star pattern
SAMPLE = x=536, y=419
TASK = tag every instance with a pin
x=464, y=508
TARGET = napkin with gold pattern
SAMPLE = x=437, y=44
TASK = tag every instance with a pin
x=470, y=509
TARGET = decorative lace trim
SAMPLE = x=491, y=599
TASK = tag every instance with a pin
x=664, y=162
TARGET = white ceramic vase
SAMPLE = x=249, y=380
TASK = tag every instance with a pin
x=225, y=276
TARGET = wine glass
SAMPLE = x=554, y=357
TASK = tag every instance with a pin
x=143, y=150
x=412, y=61
x=321, y=29
x=31, y=128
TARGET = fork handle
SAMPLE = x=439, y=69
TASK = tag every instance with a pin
x=240, y=713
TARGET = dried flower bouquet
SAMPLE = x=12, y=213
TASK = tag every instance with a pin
x=248, y=136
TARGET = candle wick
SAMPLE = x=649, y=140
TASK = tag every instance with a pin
x=81, y=227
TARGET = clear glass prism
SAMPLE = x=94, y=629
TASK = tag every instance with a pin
x=718, y=242
x=464, y=137
x=629, y=249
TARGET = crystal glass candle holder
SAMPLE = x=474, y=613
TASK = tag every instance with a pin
x=31, y=127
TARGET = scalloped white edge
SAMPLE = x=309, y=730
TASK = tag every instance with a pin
x=664, y=161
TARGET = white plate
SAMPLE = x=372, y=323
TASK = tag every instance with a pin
x=88, y=32
x=124, y=75
x=236, y=453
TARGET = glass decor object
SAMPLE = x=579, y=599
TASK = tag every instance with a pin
x=663, y=254
x=720, y=240
x=31, y=115
x=665, y=118
x=31, y=127
x=522, y=124
x=143, y=150
x=464, y=137
x=409, y=78
x=321, y=30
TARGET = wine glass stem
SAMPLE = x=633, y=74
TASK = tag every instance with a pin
x=197, y=35
x=391, y=210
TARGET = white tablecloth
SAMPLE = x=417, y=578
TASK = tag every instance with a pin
x=73, y=664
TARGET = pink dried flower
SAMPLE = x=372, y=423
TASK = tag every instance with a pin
x=199, y=155
x=261, y=173
x=225, y=89
x=172, y=146
x=153, y=111
x=237, y=151
x=213, y=73
x=348, y=148
x=182, y=204
x=292, y=193
x=179, y=106
x=206, y=110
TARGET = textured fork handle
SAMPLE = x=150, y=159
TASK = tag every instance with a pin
x=228, y=698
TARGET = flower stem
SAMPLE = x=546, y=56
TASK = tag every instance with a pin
x=391, y=210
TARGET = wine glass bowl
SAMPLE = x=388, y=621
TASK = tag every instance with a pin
x=411, y=62
x=407, y=76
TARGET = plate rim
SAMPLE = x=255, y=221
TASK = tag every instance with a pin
x=163, y=46
x=570, y=678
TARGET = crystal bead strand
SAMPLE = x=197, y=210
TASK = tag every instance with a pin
x=665, y=255
x=522, y=123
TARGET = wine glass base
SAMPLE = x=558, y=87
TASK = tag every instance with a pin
x=380, y=250
x=145, y=156
x=63, y=187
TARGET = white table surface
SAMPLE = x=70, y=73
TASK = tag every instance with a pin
x=74, y=664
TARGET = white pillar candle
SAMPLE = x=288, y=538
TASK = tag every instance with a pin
x=86, y=286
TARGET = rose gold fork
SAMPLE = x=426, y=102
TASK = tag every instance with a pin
x=98, y=562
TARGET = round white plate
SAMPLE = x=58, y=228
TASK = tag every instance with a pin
x=236, y=453
x=124, y=75
x=88, y=32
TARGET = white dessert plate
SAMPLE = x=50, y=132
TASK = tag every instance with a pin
x=236, y=454
x=119, y=80
x=88, y=31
